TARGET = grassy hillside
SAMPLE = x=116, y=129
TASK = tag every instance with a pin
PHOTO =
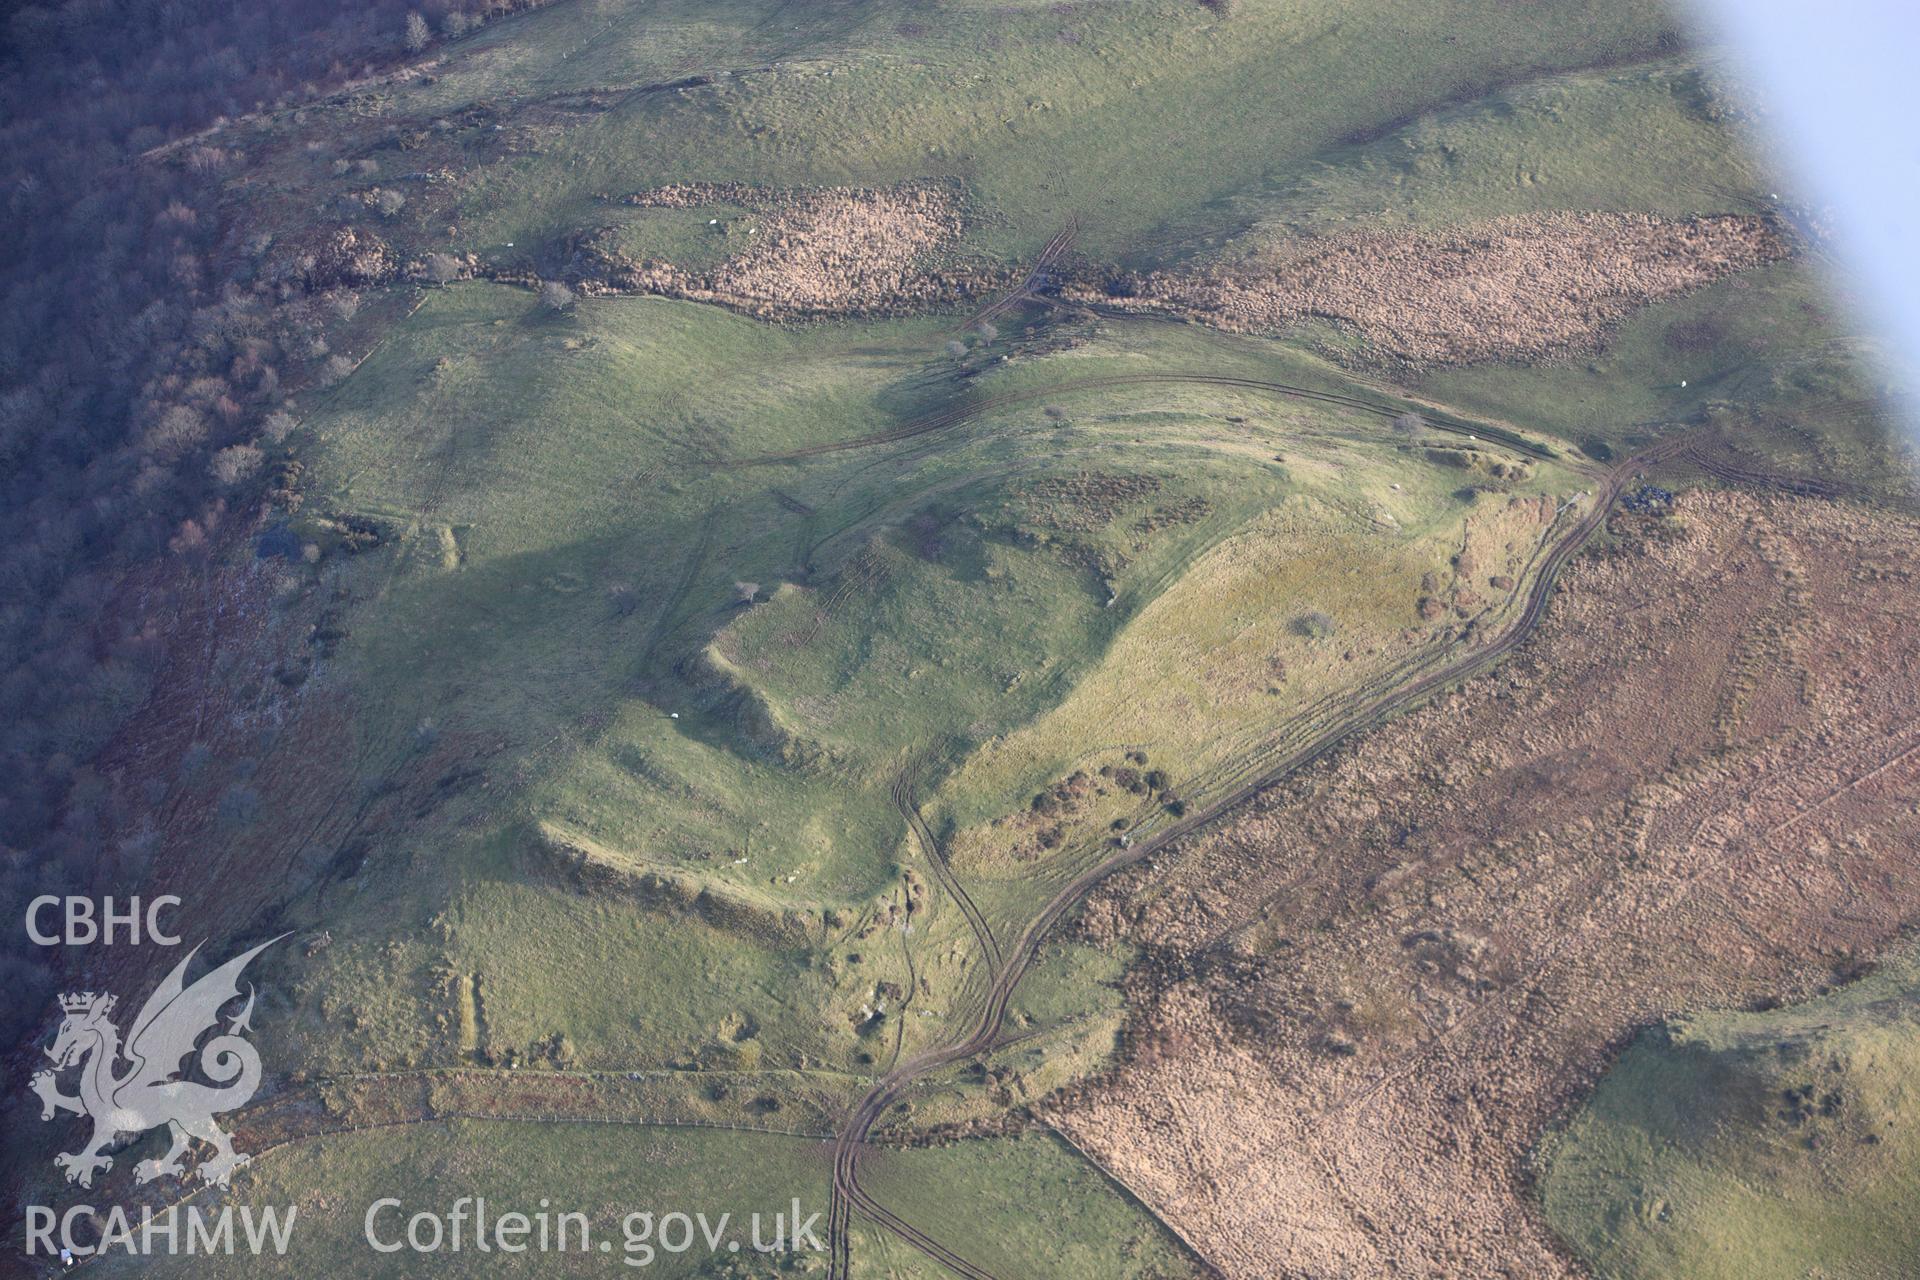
x=1654, y=135
x=1041, y=113
x=605, y=1172
x=1013, y=1199
x=649, y=629
x=1753, y=1144
x=699, y=673
x=608, y=1173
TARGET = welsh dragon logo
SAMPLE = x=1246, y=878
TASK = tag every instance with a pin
x=148, y=1092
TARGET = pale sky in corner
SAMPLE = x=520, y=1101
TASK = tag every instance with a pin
x=1842, y=91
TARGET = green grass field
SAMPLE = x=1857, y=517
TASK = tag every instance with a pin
x=1009, y=1200
x=607, y=1173
x=712, y=674
x=1041, y=113
x=1753, y=1144
x=1655, y=136
x=1030, y=1197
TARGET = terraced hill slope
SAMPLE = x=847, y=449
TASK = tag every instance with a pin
x=755, y=540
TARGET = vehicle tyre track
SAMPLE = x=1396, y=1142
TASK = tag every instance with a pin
x=902, y=791
x=847, y=1192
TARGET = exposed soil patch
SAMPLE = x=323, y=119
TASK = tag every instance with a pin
x=1366, y=996
x=1521, y=287
x=822, y=251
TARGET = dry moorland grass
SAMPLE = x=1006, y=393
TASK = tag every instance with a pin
x=824, y=251
x=1511, y=288
x=1366, y=997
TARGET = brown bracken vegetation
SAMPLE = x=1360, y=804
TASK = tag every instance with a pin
x=1364, y=998
x=1512, y=288
x=819, y=251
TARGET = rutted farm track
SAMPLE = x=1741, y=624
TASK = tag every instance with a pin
x=1318, y=731
x=1315, y=733
x=1691, y=790
x=1361, y=712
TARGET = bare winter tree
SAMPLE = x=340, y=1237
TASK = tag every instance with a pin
x=236, y=464
x=418, y=35
x=278, y=426
x=179, y=429
x=555, y=296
